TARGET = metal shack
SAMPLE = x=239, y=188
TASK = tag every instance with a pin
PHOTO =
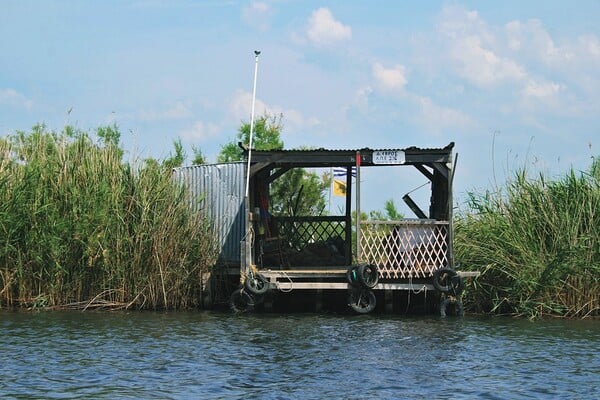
x=365, y=262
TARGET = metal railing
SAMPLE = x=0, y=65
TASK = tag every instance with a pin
x=312, y=241
x=301, y=231
x=406, y=248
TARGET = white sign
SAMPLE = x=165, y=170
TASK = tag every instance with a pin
x=388, y=157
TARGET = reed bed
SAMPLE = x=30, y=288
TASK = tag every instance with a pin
x=81, y=227
x=537, y=244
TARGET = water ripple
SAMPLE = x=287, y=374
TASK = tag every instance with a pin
x=218, y=355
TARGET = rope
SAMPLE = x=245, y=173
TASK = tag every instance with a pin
x=291, y=284
x=412, y=291
x=249, y=236
x=410, y=282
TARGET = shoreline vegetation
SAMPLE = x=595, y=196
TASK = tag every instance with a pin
x=537, y=243
x=81, y=229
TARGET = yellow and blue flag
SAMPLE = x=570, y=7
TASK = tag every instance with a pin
x=339, y=188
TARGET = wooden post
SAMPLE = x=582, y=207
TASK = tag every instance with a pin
x=389, y=301
x=319, y=300
x=348, y=223
x=268, y=302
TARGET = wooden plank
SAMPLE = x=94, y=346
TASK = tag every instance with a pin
x=405, y=286
x=286, y=286
x=324, y=273
x=304, y=273
x=468, y=274
x=294, y=272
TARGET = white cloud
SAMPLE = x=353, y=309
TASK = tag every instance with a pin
x=539, y=98
x=390, y=78
x=361, y=97
x=563, y=79
x=258, y=15
x=437, y=118
x=324, y=29
x=13, y=98
x=176, y=111
x=590, y=45
x=240, y=107
x=294, y=120
x=470, y=44
x=542, y=74
x=483, y=66
x=514, y=39
x=541, y=90
x=576, y=57
x=532, y=38
x=201, y=132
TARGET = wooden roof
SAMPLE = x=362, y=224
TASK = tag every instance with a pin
x=333, y=158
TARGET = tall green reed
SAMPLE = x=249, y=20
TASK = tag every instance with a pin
x=77, y=224
x=537, y=243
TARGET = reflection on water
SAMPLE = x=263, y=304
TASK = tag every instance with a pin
x=219, y=355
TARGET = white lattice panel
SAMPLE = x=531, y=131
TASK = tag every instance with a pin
x=405, y=249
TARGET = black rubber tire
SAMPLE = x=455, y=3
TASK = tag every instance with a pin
x=256, y=284
x=352, y=276
x=457, y=285
x=241, y=301
x=368, y=276
x=362, y=300
x=446, y=280
x=257, y=298
x=451, y=307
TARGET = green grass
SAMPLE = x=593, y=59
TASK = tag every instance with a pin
x=80, y=226
x=537, y=243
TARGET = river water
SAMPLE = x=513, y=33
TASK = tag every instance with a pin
x=210, y=355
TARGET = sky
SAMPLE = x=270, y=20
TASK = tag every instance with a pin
x=512, y=83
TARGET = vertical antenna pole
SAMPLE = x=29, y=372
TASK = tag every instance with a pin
x=256, y=54
x=358, y=232
x=245, y=268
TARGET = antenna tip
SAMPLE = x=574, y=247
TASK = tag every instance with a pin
x=256, y=52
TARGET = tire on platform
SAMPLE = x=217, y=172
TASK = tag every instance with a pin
x=256, y=284
x=362, y=300
x=368, y=276
x=352, y=276
x=447, y=280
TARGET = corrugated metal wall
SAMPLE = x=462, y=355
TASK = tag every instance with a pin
x=219, y=190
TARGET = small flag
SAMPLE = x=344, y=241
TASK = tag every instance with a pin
x=339, y=188
x=341, y=171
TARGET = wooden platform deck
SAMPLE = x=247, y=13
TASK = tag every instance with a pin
x=335, y=278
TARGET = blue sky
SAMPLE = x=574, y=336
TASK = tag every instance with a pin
x=513, y=83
